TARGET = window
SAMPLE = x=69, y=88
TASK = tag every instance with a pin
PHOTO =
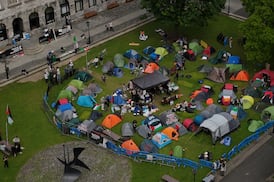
x=78, y=5
x=11, y=2
x=64, y=6
x=92, y=3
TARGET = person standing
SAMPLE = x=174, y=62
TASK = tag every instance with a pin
x=7, y=69
x=104, y=78
x=6, y=161
x=230, y=42
x=58, y=75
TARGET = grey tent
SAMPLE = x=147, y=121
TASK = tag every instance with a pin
x=94, y=115
x=148, y=146
x=219, y=125
x=92, y=89
x=87, y=126
x=227, y=92
x=211, y=110
x=205, y=68
x=143, y=131
x=151, y=80
x=127, y=129
x=119, y=60
x=180, y=128
x=108, y=67
x=219, y=75
x=168, y=117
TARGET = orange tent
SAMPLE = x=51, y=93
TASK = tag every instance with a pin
x=130, y=145
x=171, y=133
x=111, y=120
x=240, y=76
x=151, y=67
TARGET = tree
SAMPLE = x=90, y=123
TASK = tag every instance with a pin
x=259, y=31
x=184, y=12
x=250, y=5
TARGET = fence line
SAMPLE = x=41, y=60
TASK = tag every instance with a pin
x=156, y=158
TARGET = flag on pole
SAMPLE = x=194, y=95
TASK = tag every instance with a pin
x=8, y=113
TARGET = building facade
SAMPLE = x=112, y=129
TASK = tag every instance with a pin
x=19, y=16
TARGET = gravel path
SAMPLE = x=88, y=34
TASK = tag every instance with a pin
x=104, y=165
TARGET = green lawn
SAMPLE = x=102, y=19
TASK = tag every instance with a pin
x=37, y=133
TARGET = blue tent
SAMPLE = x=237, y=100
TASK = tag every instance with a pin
x=233, y=60
x=148, y=50
x=117, y=72
x=118, y=99
x=132, y=54
x=161, y=140
x=86, y=101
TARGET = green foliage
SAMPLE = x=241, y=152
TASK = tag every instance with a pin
x=184, y=12
x=259, y=32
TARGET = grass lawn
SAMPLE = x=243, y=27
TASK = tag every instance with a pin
x=37, y=133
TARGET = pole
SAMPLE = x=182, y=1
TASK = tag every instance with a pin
x=7, y=133
x=89, y=41
x=87, y=60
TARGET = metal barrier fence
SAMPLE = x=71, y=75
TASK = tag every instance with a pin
x=160, y=159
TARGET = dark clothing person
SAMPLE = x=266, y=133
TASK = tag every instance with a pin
x=7, y=72
x=6, y=161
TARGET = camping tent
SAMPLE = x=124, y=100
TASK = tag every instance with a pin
x=148, y=50
x=268, y=97
x=161, y=140
x=148, y=81
x=195, y=47
x=132, y=54
x=77, y=84
x=127, y=129
x=268, y=114
x=86, y=101
x=178, y=151
x=219, y=58
x=180, y=128
x=118, y=72
x=240, y=76
x=254, y=125
x=119, y=60
x=247, y=101
x=219, y=125
x=153, y=123
x=83, y=76
x=94, y=115
x=64, y=94
x=168, y=117
x=130, y=145
x=143, y=131
x=233, y=60
x=205, y=68
x=107, y=67
x=151, y=67
x=161, y=51
x=171, y=133
x=234, y=68
x=148, y=146
x=219, y=75
x=269, y=73
x=111, y=120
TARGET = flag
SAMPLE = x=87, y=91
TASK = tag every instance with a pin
x=8, y=113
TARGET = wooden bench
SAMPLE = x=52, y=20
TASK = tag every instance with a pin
x=168, y=178
x=112, y=5
x=90, y=14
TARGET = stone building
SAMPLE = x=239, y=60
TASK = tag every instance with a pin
x=32, y=16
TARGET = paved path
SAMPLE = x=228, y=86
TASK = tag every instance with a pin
x=124, y=18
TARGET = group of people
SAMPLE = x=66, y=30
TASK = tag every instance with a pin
x=10, y=149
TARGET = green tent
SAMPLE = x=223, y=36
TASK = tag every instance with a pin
x=119, y=60
x=247, y=101
x=254, y=125
x=268, y=114
x=77, y=84
x=83, y=76
x=178, y=151
x=161, y=51
x=218, y=58
x=195, y=47
x=234, y=67
x=65, y=94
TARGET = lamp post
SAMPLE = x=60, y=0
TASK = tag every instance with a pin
x=89, y=39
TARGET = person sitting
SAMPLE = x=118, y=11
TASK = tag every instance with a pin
x=142, y=36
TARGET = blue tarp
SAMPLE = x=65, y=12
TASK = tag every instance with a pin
x=132, y=54
x=148, y=50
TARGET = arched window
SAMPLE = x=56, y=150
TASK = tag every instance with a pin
x=64, y=6
x=3, y=32
x=34, y=20
x=49, y=15
x=18, y=27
